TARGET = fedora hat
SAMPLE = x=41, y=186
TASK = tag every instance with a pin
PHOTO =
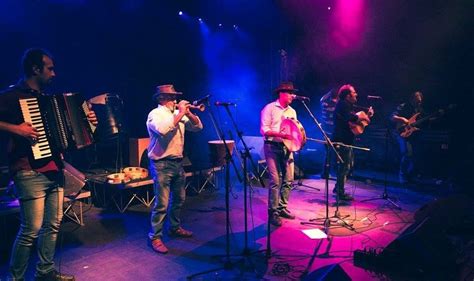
x=167, y=89
x=286, y=87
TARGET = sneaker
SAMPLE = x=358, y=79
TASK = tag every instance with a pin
x=158, y=246
x=286, y=214
x=54, y=275
x=181, y=232
x=275, y=220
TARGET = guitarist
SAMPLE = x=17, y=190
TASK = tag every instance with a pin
x=345, y=117
x=405, y=114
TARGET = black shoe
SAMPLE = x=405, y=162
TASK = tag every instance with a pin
x=286, y=214
x=54, y=275
x=275, y=220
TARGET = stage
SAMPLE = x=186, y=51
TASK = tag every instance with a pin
x=111, y=245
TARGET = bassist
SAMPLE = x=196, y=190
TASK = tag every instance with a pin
x=405, y=114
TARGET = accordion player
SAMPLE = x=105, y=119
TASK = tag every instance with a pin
x=61, y=121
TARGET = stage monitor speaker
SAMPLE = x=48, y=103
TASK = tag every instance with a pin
x=138, y=152
x=332, y=272
x=426, y=246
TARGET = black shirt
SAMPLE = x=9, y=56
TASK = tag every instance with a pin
x=19, y=148
x=344, y=114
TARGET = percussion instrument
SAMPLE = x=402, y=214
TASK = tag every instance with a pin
x=118, y=178
x=217, y=151
x=135, y=173
x=294, y=128
x=61, y=122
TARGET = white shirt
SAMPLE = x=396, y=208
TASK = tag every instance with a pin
x=272, y=115
x=167, y=140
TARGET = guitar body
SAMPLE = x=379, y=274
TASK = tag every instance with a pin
x=358, y=128
x=406, y=130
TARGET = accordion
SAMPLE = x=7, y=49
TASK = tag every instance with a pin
x=61, y=121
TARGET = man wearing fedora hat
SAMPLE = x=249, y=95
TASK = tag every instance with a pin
x=279, y=159
x=166, y=127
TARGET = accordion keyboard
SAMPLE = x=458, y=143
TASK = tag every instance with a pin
x=31, y=113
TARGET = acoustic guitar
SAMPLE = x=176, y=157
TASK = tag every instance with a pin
x=406, y=130
x=358, y=127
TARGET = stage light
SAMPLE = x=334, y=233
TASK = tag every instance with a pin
x=180, y=13
x=329, y=8
x=220, y=24
x=200, y=20
x=235, y=27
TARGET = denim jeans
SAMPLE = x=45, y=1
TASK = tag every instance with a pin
x=41, y=208
x=406, y=161
x=343, y=169
x=280, y=167
x=169, y=178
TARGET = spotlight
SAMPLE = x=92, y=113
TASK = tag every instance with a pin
x=200, y=20
x=220, y=24
x=180, y=13
x=329, y=8
x=235, y=27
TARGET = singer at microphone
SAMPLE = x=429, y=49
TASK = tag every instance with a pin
x=296, y=97
x=201, y=100
x=223, y=103
x=374, y=97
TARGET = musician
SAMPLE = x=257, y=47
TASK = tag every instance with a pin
x=344, y=114
x=400, y=116
x=166, y=127
x=279, y=159
x=38, y=183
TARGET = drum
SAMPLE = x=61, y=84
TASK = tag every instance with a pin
x=135, y=173
x=294, y=128
x=108, y=109
x=117, y=178
x=217, y=151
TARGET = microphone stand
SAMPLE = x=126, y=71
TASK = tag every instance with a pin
x=385, y=195
x=227, y=263
x=329, y=145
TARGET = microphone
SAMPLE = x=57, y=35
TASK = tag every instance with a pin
x=201, y=100
x=223, y=103
x=296, y=97
x=374, y=97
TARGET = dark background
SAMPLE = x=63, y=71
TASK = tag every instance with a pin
x=127, y=48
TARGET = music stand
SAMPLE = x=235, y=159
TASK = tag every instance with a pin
x=246, y=253
x=385, y=195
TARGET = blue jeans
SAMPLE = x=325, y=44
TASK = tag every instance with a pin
x=343, y=169
x=168, y=176
x=280, y=167
x=41, y=208
x=406, y=162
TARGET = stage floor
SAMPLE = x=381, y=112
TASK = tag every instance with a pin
x=113, y=246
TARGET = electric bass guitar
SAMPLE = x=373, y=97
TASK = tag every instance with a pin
x=406, y=130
